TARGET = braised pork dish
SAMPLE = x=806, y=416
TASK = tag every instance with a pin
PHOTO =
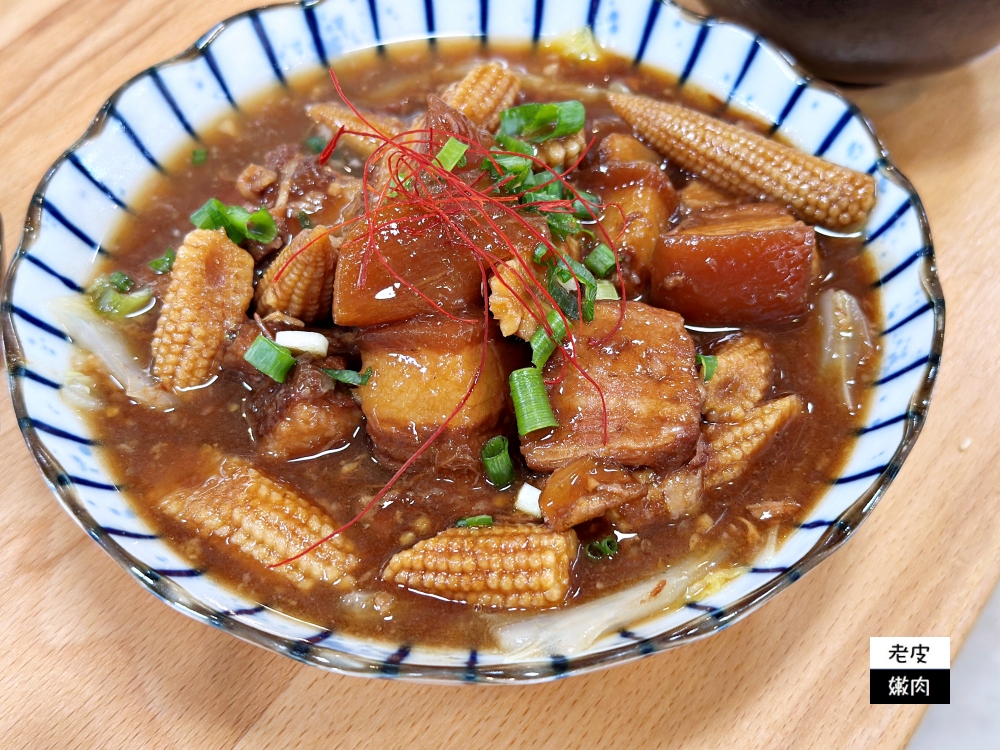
x=446, y=342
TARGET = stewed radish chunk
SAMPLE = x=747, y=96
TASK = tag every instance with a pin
x=744, y=265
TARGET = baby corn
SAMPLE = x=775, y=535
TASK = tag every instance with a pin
x=741, y=380
x=211, y=286
x=337, y=116
x=732, y=447
x=485, y=92
x=250, y=515
x=305, y=272
x=523, y=566
x=742, y=162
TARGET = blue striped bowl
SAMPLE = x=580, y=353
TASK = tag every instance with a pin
x=163, y=109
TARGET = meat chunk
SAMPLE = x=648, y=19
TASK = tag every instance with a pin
x=412, y=247
x=742, y=265
x=585, y=489
x=254, y=180
x=523, y=566
x=304, y=415
x=645, y=370
x=668, y=497
x=638, y=196
x=733, y=447
x=299, y=282
x=211, y=285
x=742, y=378
x=421, y=371
x=700, y=194
x=243, y=513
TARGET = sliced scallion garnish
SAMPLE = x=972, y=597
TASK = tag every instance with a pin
x=606, y=547
x=538, y=256
x=531, y=403
x=199, y=156
x=542, y=344
x=564, y=279
x=164, y=263
x=316, y=144
x=451, y=155
x=236, y=221
x=708, y=364
x=540, y=122
x=270, y=358
x=496, y=460
x=606, y=290
x=350, y=377
x=121, y=281
x=474, y=522
x=586, y=206
x=109, y=298
x=600, y=261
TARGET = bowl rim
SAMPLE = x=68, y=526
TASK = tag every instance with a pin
x=708, y=623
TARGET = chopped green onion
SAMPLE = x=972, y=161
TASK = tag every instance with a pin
x=316, y=144
x=542, y=344
x=606, y=290
x=304, y=221
x=261, y=226
x=509, y=143
x=199, y=156
x=270, y=358
x=108, y=299
x=540, y=122
x=606, y=547
x=569, y=273
x=708, y=364
x=496, y=459
x=451, y=153
x=562, y=224
x=531, y=402
x=474, y=521
x=120, y=281
x=538, y=256
x=586, y=206
x=350, y=377
x=164, y=263
x=600, y=261
x=236, y=220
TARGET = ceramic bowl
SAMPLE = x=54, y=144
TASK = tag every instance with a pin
x=161, y=110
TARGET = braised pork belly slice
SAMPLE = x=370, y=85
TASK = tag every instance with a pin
x=739, y=265
x=306, y=414
x=421, y=370
x=645, y=369
x=638, y=196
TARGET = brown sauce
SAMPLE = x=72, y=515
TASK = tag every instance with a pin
x=150, y=453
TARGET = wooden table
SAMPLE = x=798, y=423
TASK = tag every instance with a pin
x=91, y=660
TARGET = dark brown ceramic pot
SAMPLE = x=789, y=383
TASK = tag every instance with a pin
x=872, y=41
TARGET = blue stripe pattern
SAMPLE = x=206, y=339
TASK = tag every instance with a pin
x=65, y=280
x=715, y=612
x=880, y=425
x=471, y=674
x=127, y=534
x=390, y=667
x=560, y=664
x=751, y=55
x=178, y=572
x=429, y=18
x=592, y=13
x=922, y=310
x=536, y=28
x=154, y=74
x=647, y=31
x=912, y=366
x=30, y=423
x=373, y=10
x=268, y=49
x=900, y=268
x=39, y=323
x=73, y=228
x=769, y=570
x=834, y=132
x=819, y=524
x=867, y=474
x=68, y=479
x=18, y=370
x=692, y=60
x=310, y=13
x=484, y=19
x=896, y=216
x=214, y=67
x=73, y=159
x=136, y=141
x=800, y=88
x=243, y=611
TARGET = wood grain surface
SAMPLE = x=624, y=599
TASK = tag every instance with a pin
x=89, y=659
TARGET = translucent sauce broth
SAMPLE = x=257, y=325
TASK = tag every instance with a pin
x=150, y=453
